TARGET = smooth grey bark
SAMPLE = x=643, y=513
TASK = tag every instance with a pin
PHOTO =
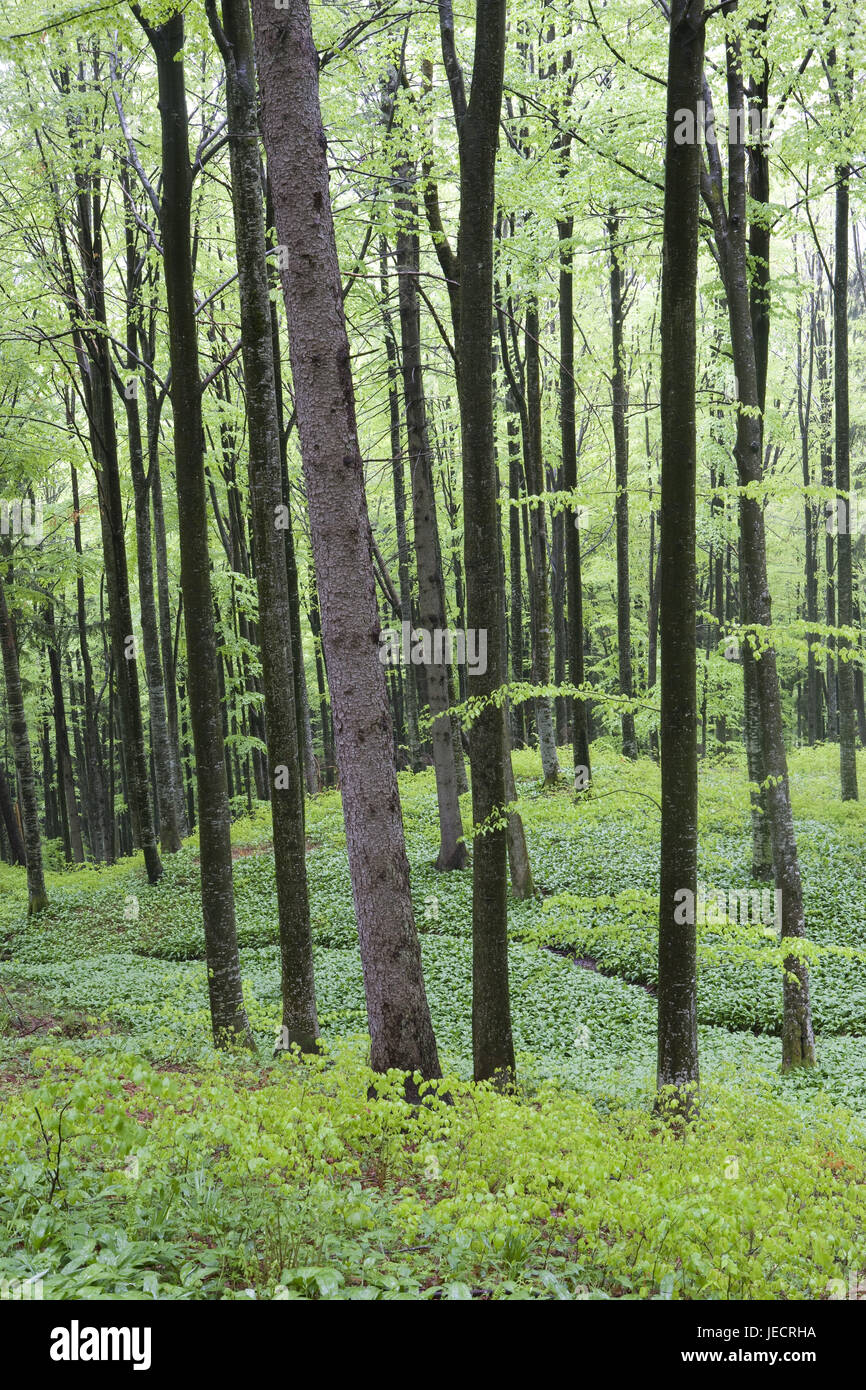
x=401, y=1030
x=235, y=41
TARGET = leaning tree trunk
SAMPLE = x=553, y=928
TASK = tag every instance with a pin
x=677, y=982
x=235, y=40
x=401, y=1030
x=228, y=1015
x=37, y=897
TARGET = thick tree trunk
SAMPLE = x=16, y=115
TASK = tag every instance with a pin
x=677, y=987
x=400, y=1026
x=235, y=41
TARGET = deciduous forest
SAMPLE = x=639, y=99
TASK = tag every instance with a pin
x=432, y=606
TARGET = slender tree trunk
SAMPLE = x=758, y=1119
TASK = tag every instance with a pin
x=397, y=474
x=539, y=579
x=620, y=445
x=568, y=435
x=10, y=820
x=798, y=1047
x=37, y=897
x=844, y=571
x=228, y=1015
x=428, y=552
x=66, y=776
x=477, y=122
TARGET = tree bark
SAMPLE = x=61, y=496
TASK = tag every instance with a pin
x=401, y=1030
x=677, y=982
x=228, y=1014
x=37, y=897
x=235, y=40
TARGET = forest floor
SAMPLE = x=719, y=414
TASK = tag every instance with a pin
x=136, y=1162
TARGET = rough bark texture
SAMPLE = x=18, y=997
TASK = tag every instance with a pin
x=399, y=1018
x=300, y=1020
x=677, y=987
x=228, y=1015
x=472, y=309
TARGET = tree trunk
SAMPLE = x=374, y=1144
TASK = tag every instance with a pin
x=620, y=446
x=568, y=435
x=37, y=897
x=228, y=1014
x=300, y=1020
x=428, y=552
x=677, y=982
x=10, y=820
x=539, y=578
x=400, y=1026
